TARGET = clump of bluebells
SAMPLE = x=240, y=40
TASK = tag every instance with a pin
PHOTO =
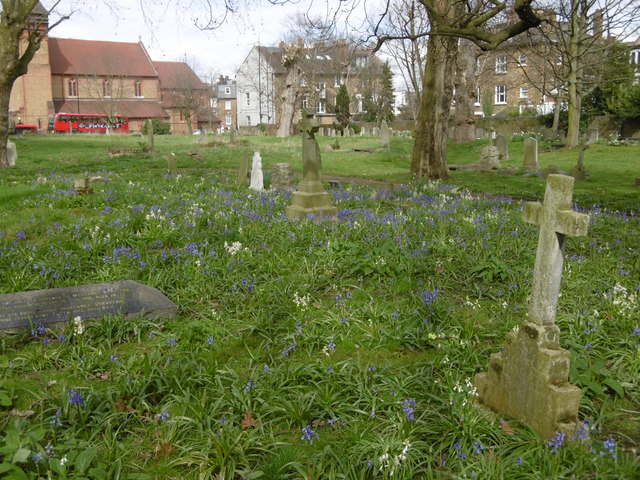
x=408, y=409
x=309, y=435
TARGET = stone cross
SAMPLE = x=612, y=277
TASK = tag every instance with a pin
x=528, y=379
x=556, y=220
x=311, y=167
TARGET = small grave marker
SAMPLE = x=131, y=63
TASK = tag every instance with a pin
x=257, y=177
x=232, y=134
x=172, y=164
x=282, y=177
x=149, y=132
x=502, y=144
x=489, y=157
x=243, y=172
x=385, y=134
x=82, y=186
x=529, y=379
x=530, y=154
x=12, y=153
x=59, y=305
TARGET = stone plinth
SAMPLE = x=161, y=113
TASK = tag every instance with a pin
x=82, y=186
x=529, y=381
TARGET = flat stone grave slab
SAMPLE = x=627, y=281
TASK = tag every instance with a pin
x=59, y=305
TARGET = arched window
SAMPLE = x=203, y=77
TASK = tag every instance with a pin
x=138, y=88
x=73, y=87
x=106, y=88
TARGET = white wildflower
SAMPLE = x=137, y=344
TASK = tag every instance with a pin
x=78, y=325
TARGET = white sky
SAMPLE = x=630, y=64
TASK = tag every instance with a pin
x=169, y=34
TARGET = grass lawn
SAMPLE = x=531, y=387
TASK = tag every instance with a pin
x=342, y=349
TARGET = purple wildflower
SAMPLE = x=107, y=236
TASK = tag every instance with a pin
x=557, y=441
x=74, y=397
x=308, y=434
x=407, y=407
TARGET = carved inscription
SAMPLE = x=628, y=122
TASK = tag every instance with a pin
x=59, y=305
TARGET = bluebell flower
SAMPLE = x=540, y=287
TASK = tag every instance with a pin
x=21, y=235
x=114, y=359
x=37, y=457
x=458, y=447
x=62, y=338
x=210, y=340
x=636, y=331
x=407, y=407
x=172, y=342
x=250, y=384
x=519, y=461
x=557, y=441
x=163, y=417
x=46, y=341
x=329, y=370
x=74, y=397
x=309, y=434
x=266, y=369
x=610, y=445
x=55, y=420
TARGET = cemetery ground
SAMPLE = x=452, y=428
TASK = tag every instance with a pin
x=342, y=348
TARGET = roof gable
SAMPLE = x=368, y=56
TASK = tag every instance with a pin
x=178, y=76
x=89, y=57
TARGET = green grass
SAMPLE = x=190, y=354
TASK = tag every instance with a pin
x=353, y=342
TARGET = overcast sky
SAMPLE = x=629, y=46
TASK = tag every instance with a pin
x=169, y=34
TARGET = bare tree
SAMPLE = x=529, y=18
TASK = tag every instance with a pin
x=582, y=47
x=482, y=22
x=407, y=22
x=25, y=22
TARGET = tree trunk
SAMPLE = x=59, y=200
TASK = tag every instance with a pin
x=429, y=158
x=574, y=94
x=556, y=117
x=465, y=92
x=5, y=94
x=288, y=99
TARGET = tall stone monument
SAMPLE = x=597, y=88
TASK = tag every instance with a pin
x=502, y=144
x=148, y=129
x=310, y=198
x=385, y=134
x=12, y=153
x=243, y=171
x=528, y=380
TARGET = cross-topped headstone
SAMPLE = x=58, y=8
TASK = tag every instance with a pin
x=310, y=199
x=556, y=220
x=311, y=168
x=528, y=379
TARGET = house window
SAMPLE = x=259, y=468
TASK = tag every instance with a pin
x=522, y=60
x=321, y=88
x=249, y=120
x=635, y=57
x=138, y=88
x=106, y=88
x=227, y=118
x=321, y=106
x=478, y=97
x=73, y=88
x=501, y=94
x=227, y=104
x=227, y=90
x=248, y=99
x=303, y=82
x=305, y=103
x=501, y=64
x=339, y=80
x=361, y=61
x=524, y=92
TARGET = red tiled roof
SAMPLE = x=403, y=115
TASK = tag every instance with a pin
x=178, y=75
x=129, y=108
x=88, y=57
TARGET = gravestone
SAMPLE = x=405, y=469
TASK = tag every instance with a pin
x=82, y=186
x=530, y=154
x=528, y=380
x=375, y=131
x=149, y=131
x=232, y=134
x=489, y=157
x=310, y=198
x=257, y=177
x=385, y=134
x=346, y=132
x=172, y=164
x=579, y=172
x=202, y=138
x=243, y=172
x=479, y=132
x=59, y=305
x=12, y=153
x=593, y=135
x=502, y=144
x=550, y=170
x=282, y=177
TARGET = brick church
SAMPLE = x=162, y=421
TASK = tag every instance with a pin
x=108, y=78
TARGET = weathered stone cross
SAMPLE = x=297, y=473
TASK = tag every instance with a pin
x=528, y=380
x=556, y=220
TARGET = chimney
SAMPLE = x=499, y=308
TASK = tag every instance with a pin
x=598, y=23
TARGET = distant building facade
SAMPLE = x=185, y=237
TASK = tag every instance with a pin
x=225, y=102
x=262, y=76
x=106, y=78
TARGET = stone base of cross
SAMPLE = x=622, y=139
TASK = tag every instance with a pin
x=529, y=379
